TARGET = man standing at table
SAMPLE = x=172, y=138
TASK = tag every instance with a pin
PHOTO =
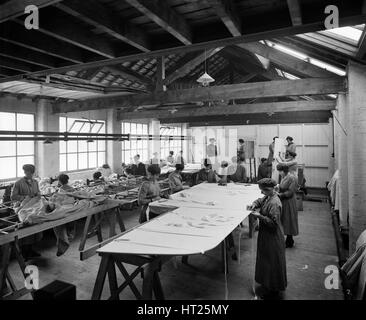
x=25, y=188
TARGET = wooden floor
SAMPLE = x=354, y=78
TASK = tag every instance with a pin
x=314, y=250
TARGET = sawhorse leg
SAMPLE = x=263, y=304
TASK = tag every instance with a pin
x=102, y=272
x=5, y=258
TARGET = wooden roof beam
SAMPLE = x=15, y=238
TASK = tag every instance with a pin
x=235, y=109
x=96, y=14
x=227, y=12
x=199, y=46
x=15, y=8
x=163, y=15
x=34, y=40
x=286, y=61
x=295, y=12
x=227, y=92
x=69, y=32
x=11, y=51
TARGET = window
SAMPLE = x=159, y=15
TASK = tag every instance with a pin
x=167, y=145
x=14, y=154
x=81, y=155
x=131, y=148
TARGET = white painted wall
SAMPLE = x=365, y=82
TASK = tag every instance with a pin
x=312, y=142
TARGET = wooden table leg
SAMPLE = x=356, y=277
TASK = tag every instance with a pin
x=112, y=277
x=147, y=286
x=85, y=233
x=120, y=220
x=112, y=217
x=158, y=289
x=98, y=220
x=129, y=279
x=102, y=272
x=5, y=250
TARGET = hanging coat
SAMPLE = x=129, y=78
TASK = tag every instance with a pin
x=287, y=194
x=270, y=268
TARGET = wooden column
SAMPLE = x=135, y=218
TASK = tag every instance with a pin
x=356, y=137
x=342, y=157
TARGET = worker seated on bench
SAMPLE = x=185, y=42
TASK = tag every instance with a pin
x=64, y=234
x=24, y=188
x=175, y=179
x=236, y=171
x=206, y=174
x=149, y=191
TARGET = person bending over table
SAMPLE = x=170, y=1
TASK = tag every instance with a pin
x=26, y=188
x=175, y=179
x=170, y=159
x=287, y=193
x=270, y=268
x=206, y=174
x=65, y=233
x=149, y=191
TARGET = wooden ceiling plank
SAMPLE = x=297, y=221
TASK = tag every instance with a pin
x=32, y=40
x=32, y=57
x=350, y=20
x=163, y=15
x=280, y=88
x=228, y=13
x=69, y=32
x=97, y=15
x=295, y=12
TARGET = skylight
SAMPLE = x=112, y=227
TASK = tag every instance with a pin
x=306, y=58
x=349, y=33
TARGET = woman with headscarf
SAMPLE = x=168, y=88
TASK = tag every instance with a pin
x=287, y=193
x=149, y=192
x=291, y=146
x=270, y=269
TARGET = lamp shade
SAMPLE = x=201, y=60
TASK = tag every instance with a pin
x=205, y=79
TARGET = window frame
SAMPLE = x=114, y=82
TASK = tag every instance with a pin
x=142, y=150
x=16, y=156
x=78, y=153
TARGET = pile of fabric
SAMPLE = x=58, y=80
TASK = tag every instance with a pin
x=38, y=210
x=355, y=269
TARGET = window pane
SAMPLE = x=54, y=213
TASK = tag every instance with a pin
x=72, y=162
x=92, y=146
x=92, y=160
x=83, y=146
x=101, y=145
x=7, y=168
x=101, y=158
x=83, y=160
x=62, y=124
x=7, y=121
x=133, y=128
x=25, y=147
x=63, y=162
x=21, y=162
x=72, y=146
x=7, y=148
x=25, y=122
x=62, y=147
x=128, y=157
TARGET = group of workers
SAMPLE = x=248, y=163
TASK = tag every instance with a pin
x=276, y=211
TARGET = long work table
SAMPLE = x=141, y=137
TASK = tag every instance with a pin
x=198, y=220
